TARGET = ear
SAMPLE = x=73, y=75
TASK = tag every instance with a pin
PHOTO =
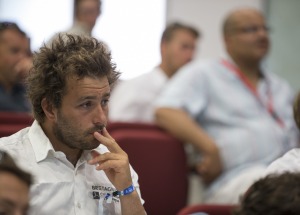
x=226, y=38
x=49, y=110
x=163, y=46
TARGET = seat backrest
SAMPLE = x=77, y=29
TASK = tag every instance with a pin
x=15, y=118
x=207, y=208
x=11, y=122
x=160, y=161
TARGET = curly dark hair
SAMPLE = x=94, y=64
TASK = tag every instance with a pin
x=273, y=195
x=68, y=56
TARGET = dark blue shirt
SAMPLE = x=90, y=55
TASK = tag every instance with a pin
x=15, y=100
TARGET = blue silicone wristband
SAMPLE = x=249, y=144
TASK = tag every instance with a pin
x=124, y=192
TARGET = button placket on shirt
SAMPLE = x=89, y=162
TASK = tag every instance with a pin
x=78, y=179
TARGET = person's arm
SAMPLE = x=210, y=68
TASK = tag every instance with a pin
x=183, y=127
x=116, y=166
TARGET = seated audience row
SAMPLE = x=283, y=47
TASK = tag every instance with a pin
x=236, y=113
x=232, y=110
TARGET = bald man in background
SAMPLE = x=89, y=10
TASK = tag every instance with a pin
x=236, y=113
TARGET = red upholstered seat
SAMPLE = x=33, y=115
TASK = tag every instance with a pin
x=11, y=122
x=159, y=159
x=209, y=209
x=15, y=118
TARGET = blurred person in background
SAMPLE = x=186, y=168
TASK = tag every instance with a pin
x=15, y=63
x=14, y=187
x=132, y=100
x=275, y=194
x=237, y=114
x=86, y=13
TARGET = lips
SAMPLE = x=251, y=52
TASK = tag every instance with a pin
x=92, y=132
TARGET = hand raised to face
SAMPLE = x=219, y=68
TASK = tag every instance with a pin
x=114, y=163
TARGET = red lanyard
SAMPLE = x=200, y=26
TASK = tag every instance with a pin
x=253, y=90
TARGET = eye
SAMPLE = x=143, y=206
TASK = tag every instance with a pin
x=86, y=104
x=104, y=102
x=14, y=50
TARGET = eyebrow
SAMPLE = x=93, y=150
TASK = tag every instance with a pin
x=10, y=204
x=93, y=97
x=6, y=203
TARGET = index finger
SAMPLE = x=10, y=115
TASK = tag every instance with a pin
x=108, y=141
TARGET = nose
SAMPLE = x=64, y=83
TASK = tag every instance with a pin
x=18, y=212
x=263, y=31
x=190, y=52
x=99, y=116
x=21, y=55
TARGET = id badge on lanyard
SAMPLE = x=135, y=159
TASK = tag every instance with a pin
x=254, y=92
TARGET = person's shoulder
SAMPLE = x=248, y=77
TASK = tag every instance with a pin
x=276, y=78
x=279, y=85
x=14, y=139
x=150, y=74
x=200, y=63
x=289, y=162
x=196, y=69
x=139, y=80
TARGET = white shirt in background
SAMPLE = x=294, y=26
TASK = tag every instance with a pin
x=133, y=100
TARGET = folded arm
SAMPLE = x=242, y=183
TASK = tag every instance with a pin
x=182, y=126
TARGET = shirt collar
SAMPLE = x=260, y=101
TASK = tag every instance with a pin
x=159, y=71
x=41, y=145
x=262, y=65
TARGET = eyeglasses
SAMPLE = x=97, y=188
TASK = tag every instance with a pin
x=253, y=29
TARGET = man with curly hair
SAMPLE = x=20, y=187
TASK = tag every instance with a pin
x=79, y=168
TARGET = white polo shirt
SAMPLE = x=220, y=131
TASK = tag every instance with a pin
x=59, y=187
x=133, y=100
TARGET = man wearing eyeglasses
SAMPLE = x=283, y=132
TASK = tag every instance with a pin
x=237, y=114
x=15, y=62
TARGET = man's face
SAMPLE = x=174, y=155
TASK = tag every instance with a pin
x=88, y=12
x=249, y=38
x=14, y=195
x=180, y=49
x=84, y=110
x=13, y=48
